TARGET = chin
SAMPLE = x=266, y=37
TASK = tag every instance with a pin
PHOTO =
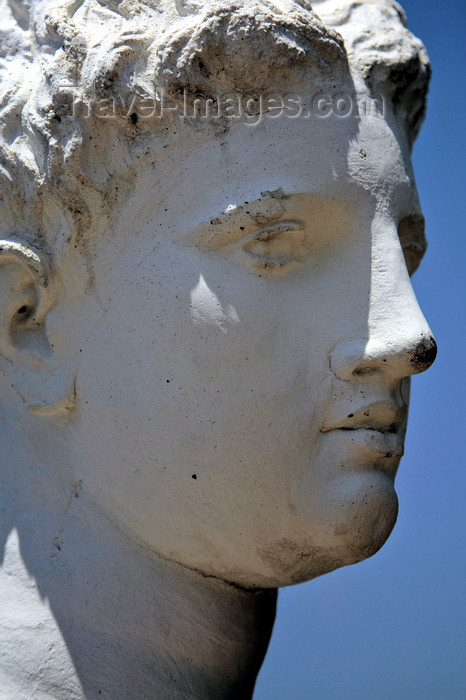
x=369, y=523
x=354, y=527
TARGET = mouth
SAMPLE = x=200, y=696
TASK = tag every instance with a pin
x=380, y=417
x=376, y=429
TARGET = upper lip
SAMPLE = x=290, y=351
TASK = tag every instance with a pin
x=380, y=416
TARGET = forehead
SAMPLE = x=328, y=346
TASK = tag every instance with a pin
x=361, y=161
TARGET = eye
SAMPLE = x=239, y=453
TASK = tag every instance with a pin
x=277, y=246
x=411, y=232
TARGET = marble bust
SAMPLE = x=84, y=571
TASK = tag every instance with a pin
x=208, y=224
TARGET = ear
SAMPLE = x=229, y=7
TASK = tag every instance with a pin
x=26, y=356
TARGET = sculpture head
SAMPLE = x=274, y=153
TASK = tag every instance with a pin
x=217, y=314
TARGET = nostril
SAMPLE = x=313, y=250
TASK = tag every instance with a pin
x=424, y=354
x=368, y=369
x=353, y=358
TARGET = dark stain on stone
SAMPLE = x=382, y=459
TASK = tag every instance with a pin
x=424, y=354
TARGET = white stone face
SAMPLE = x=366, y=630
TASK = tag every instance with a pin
x=207, y=330
x=228, y=352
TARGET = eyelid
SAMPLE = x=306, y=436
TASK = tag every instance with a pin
x=233, y=225
x=269, y=233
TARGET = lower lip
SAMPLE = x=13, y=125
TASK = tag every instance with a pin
x=385, y=445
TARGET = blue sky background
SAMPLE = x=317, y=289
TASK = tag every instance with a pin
x=394, y=627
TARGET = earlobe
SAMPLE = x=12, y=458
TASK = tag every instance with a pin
x=26, y=355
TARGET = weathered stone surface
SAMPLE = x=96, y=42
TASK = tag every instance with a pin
x=208, y=222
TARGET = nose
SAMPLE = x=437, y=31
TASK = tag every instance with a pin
x=397, y=340
x=361, y=356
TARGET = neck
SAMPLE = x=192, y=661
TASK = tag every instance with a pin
x=121, y=621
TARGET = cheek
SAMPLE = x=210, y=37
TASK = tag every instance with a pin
x=222, y=346
x=216, y=363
